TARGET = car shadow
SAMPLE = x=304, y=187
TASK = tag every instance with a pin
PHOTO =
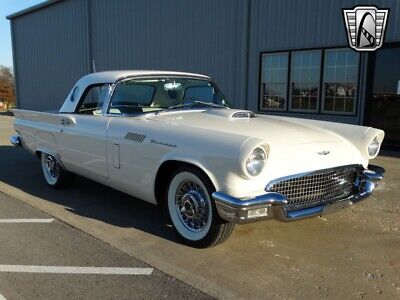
x=86, y=198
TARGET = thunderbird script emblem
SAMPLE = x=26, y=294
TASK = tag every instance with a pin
x=365, y=27
x=323, y=152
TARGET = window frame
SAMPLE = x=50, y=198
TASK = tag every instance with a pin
x=357, y=84
x=290, y=93
x=86, y=91
x=321, y=77
x=114, y=85
x=122, y=82
x=260, y=97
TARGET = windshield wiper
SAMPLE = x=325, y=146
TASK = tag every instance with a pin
x=194, y=103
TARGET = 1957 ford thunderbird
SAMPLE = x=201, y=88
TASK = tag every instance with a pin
x=171, y=139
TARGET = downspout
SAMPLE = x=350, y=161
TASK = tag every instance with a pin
x=90, y=61
x=15, y=69
x=247, y=53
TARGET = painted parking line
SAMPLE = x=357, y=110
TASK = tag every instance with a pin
x=75, y=270
x=2, y=297
x=26, y=220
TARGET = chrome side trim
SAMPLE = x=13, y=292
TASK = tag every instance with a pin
x=236, y=210
x=16, y=141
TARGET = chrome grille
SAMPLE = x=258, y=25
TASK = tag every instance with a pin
x=317, y=188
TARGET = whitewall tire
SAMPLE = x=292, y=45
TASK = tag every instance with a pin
x=192, y=209
x=53, y=173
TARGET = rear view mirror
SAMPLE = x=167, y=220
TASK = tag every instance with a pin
x=172, y=86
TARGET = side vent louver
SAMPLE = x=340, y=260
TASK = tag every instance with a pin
x=137, y=137
x=244, y=115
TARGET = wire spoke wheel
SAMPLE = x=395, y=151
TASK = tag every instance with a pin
x=53, y=172
x=192, y=206
x=52, y=167
x=189, y=206
x=192, y=209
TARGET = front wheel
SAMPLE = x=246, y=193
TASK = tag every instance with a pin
x=192, y=209
x=53, y=173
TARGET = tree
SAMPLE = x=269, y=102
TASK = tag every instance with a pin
x=7, y=88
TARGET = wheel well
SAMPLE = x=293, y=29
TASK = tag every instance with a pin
x=163, y=177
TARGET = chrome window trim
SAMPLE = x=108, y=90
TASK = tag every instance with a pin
x=114, y=85
x=108, y=100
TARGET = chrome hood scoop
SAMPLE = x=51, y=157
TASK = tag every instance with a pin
x=233, y=114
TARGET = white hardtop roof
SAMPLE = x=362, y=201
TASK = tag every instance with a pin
x=113, y=76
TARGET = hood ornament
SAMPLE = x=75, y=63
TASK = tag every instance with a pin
x=323, y=152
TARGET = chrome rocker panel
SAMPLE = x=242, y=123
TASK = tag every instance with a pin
x=236, y=210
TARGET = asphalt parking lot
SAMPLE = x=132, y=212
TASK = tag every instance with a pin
x=350, y=254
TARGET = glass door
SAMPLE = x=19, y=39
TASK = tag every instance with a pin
x=383, y=105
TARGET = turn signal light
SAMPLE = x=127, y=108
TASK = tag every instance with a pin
x=257, y=213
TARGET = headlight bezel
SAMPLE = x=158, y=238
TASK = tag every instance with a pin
x=255, y=162
x=374, y=144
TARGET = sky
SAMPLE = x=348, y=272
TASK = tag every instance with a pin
x=8, y=7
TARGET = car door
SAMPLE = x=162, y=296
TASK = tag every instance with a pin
x=132, y=159
x=82, y=142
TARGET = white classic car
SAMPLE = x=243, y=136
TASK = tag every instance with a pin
x=170, y=139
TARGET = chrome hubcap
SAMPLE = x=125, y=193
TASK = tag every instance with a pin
x=51, y=167
x=192, y=205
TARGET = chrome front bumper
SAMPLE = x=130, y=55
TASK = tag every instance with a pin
x=270, y=205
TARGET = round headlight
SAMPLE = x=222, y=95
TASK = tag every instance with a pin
x=373, y=147
x=256, y=161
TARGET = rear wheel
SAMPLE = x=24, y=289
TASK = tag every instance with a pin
x=53, y=173
x=192, y=209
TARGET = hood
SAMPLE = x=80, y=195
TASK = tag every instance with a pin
x=272, y=129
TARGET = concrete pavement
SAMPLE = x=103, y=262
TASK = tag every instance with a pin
x=53, y=246
x=352, y=253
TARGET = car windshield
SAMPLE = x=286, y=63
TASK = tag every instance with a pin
x=135, y=96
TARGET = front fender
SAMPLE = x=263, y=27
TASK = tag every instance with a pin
x=193, y=160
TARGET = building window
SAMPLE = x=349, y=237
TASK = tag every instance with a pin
x=305, y=72
x=320, y=81
x=274, y=81
x=340, y=81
